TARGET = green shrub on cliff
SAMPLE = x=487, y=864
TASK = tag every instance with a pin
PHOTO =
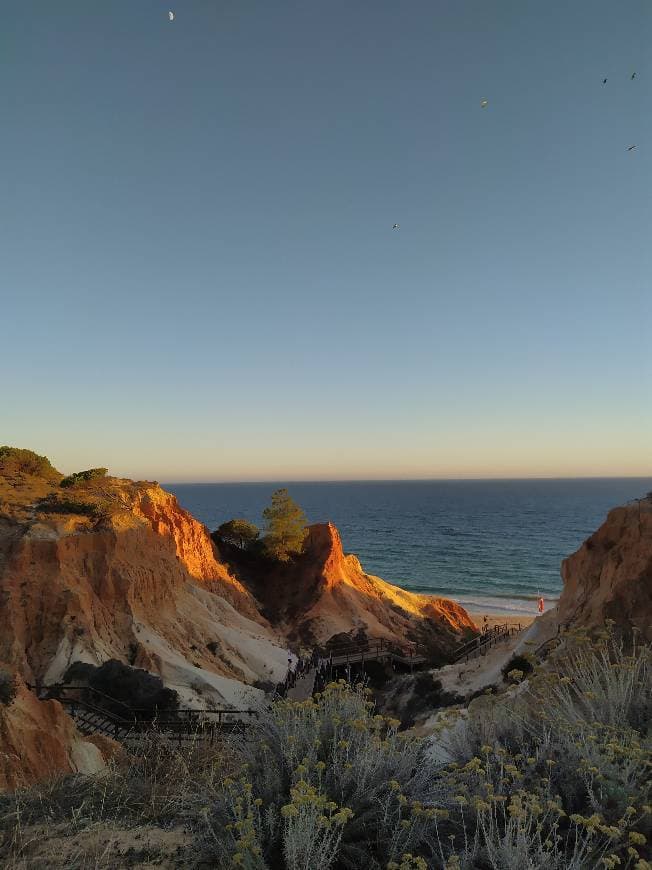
x=17, y=459
x=239, y=533
x=83, y=477
x=62, y=505
x=285, y=527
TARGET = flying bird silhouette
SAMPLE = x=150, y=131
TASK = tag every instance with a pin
x=633, y=76
x=604, y=81
x=484, y=103
x=396, y=227
x=631, y=147
x=171, y=15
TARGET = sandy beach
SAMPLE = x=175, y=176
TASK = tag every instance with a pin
x=493, y=619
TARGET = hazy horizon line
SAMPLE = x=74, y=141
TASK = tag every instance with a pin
x=408, y=479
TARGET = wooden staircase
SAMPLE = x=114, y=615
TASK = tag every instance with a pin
x=481, y=644
x=95, y=713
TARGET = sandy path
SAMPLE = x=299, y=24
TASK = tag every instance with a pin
x=465, y=678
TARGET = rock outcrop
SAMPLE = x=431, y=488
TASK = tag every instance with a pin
x=111, y=569
x=38, y=739
x=325, y=594
x=610, y=576
x=118, y=570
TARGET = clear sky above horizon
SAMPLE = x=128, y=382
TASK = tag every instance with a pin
x=199, y=278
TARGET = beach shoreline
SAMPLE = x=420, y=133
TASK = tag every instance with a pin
x=493, y=619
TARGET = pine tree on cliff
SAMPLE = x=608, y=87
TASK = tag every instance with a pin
x=240, y=533
x=285, y=527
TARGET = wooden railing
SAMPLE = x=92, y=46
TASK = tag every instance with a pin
x=378, y=650
x=95, y=712
x=484, y=642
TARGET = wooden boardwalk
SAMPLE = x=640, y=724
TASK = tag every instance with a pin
x=481, y=644
x=95, y=713
x=379, y=651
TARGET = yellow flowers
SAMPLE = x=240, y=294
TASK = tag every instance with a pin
x=342, y=816
x=337, y=747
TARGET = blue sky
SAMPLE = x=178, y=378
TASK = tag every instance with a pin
x=199, y=276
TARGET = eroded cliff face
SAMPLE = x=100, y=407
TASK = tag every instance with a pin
x=325, y=593
x=38, y=739
x=610, y=576
x=138, y=581
x=114, y=569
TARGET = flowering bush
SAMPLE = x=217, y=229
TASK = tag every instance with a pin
x=557, y=774
x=554, y=774
x=327, y=783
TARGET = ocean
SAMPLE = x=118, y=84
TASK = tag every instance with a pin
x=492, y=545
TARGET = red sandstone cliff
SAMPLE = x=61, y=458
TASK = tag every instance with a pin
x=38, y=739
x=113, y=569
x=138, y=581
x=324, y=593
x=610, y=576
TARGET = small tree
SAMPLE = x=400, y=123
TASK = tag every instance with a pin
x=240, y=533
x=285, y=527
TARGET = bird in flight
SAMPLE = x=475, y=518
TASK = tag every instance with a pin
x=484, y=103
x=631, y=147
x=396, y=227
x=171, y=15
x=633, y=76
x=604, y=81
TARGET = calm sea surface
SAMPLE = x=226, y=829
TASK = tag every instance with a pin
x=492, y=545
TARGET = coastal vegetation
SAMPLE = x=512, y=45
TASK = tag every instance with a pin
x=285, y=527
x=550, y=774
x=14, y=460
x=54, y=504
x=284, y=534
x=80, y=477
x=521, y=664
x=238, y=533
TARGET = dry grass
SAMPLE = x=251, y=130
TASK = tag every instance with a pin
x=141, y=809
